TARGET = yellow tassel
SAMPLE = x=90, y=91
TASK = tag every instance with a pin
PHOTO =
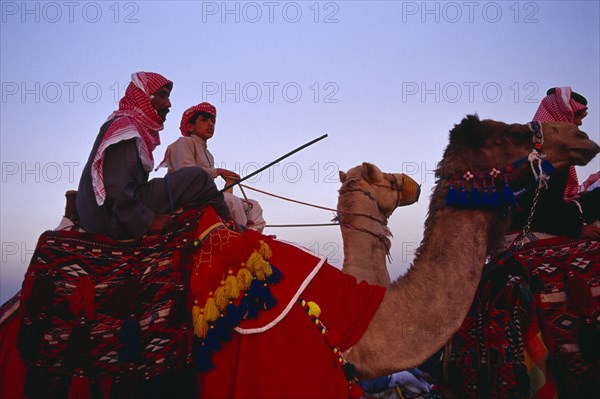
x=244, y=278
x=231, y=286
x=265, y=251
x=258, y=266
x=199, y=322
x=313, y=309
x=211, y=312
x=221, y=299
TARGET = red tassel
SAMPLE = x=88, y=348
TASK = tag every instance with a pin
x=80, y=386
x=579, y=296
x=82, y=298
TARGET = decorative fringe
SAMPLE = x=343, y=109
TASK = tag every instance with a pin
x=78, y=345
x=42, y=293
x=80, y=386
x=483, y=382
x=129, y=384
x=244, y=279
x=211, y=311
x=131, y=336
x=452, y=196
x=588, y=338
x=199, y=322
x=232, y=288
x=202, y=356
x=233, y=316
x=258, y=266
x=81, y=302
x=455, y=379
x=522, y=378
x=476, y=199
x=579, y=296
x=275, y=277
x=265, y=250
x=349, y=371
x=212, y=341
x=221, y=297
x=37, y=382
x=463, y=197
x=508, y=196
x=30, y=337
x=525, y=295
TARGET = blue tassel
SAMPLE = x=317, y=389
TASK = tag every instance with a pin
x=233, y=316
x=275, y=277
x=242, y=308
x=508, y=195
x=252, y=312
x=452, y=197
x=131, y=335
x=212, y=341
x=267, y=298
x=495, y=198
x=475, y=198
x=222, y=330
x=463, y=198
x=547, y=167
x=202, y=356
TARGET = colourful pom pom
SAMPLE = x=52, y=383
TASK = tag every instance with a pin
x=313, y=309
x=211, y=312
x=244, y=279
x=199, y=322
x=231, y=286
x=221, y=298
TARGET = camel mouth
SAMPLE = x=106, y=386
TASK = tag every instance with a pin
x=583, y=155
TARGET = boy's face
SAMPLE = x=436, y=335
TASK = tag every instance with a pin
x=204, y=127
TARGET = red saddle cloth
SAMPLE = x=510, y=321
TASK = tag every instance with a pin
x=100, y=317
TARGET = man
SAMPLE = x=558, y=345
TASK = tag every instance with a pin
x=115, y=197
x=561, y=209
x=197, y=127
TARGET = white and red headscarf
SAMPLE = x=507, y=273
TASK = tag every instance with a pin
x=135, y=118
x=188, y=113
x=561, y=107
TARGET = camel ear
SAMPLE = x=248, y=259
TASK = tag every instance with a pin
x=342, y=176
x=370, y=172
x=470, y=132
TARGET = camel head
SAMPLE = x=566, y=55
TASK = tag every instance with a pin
x=389, y=190
x=481, y=146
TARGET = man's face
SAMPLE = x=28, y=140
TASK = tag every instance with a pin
x=204, y=127
x=161, y=102
x=578, y=116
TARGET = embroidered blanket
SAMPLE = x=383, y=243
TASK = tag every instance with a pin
x=523, y=333
x=102, y=318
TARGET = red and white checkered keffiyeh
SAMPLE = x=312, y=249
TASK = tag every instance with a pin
x=135, y=118
x=188, y=113
x=560, y=107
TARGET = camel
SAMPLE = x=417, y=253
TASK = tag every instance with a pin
x=420, y=310
x=424, y=308
x=367, y=198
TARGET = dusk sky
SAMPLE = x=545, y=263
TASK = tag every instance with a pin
x=386, y=80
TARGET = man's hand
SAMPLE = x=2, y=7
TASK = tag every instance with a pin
x=159, y=223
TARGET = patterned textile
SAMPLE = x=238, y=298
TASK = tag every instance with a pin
x=97, y=307
x=525, y=325
x=135, y=118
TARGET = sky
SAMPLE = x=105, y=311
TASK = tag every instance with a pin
x=385, y=80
